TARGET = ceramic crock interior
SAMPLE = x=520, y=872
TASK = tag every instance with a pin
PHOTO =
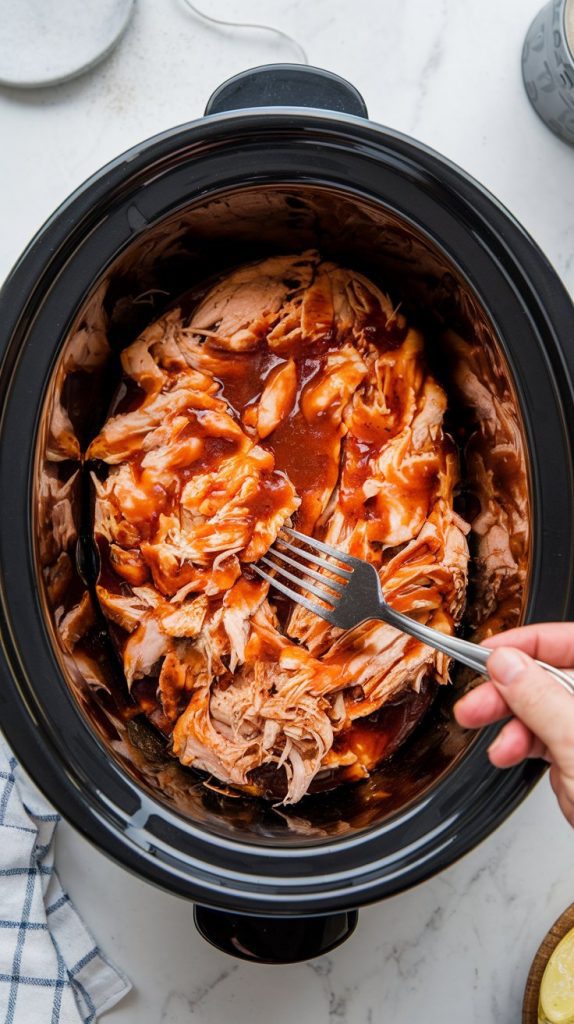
x=164, y=261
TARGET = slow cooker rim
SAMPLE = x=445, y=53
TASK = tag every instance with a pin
x=82, y=200
x=233, y=117
x=307, y=848
x=138, y=155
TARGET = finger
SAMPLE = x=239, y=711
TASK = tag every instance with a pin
x=563, y=794
x=566, y=806
x=513, y=744
x=482, y=706
x=548, y=641
x=538, y=701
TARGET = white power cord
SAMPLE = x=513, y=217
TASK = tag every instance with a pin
x=303, y=58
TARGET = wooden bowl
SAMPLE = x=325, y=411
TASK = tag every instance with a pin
x=559, y=929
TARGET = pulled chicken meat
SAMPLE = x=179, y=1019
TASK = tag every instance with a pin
x=294, y=393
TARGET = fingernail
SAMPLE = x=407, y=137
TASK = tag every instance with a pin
x=495, y=743
x=504, y=664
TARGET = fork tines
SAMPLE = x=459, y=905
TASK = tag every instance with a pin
x=280, y=564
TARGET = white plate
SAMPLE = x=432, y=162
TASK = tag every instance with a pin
x=43, y=42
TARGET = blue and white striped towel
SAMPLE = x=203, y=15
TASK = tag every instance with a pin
x=51, y=971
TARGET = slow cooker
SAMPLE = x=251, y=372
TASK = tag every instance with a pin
x=285, y=160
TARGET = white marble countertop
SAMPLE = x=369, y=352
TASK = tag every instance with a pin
x=457, y=948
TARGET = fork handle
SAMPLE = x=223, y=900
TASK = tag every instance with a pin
x=473, y=655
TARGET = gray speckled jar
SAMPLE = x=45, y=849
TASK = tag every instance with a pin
x=548, y=69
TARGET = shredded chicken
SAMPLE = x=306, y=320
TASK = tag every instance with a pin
x=294, y=393
x=495, y=467
x=87, y=351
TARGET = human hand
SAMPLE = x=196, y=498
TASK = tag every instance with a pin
x=541, y=711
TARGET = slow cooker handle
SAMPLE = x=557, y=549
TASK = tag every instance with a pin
x=274, y=940
x=287, y=85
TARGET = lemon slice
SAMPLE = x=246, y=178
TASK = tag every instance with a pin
x=556, y=1005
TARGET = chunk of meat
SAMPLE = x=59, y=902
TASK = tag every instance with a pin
x=246, y=524
x=239, y=605
x=172, y=685
x=207, y=493
x=235, y=312
x=144, y=649
x=278, y=398
x=161, y=462
x=56, y=518
x=63, y=443
x=58, y=576
x=339, y=378
x=149, y=359
x=125, y=434
x=76, y=622
x=126, y=610
x=129, y=564
x=185, y=620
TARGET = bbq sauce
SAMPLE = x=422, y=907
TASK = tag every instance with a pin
x=309, y=455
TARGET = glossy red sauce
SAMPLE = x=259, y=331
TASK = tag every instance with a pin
x=273, y=491
x=377, y=736
x=358, y=456
x=242, y=379
x=308, y=454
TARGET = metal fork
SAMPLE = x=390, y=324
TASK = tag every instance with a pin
x=352, y=594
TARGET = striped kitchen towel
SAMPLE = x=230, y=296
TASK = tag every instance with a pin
x=51, y=971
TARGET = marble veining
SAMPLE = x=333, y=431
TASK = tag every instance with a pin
x=177, y=1003
x=431, y=64
x=458, y=947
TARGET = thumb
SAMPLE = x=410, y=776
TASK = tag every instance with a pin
x=537, y=700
